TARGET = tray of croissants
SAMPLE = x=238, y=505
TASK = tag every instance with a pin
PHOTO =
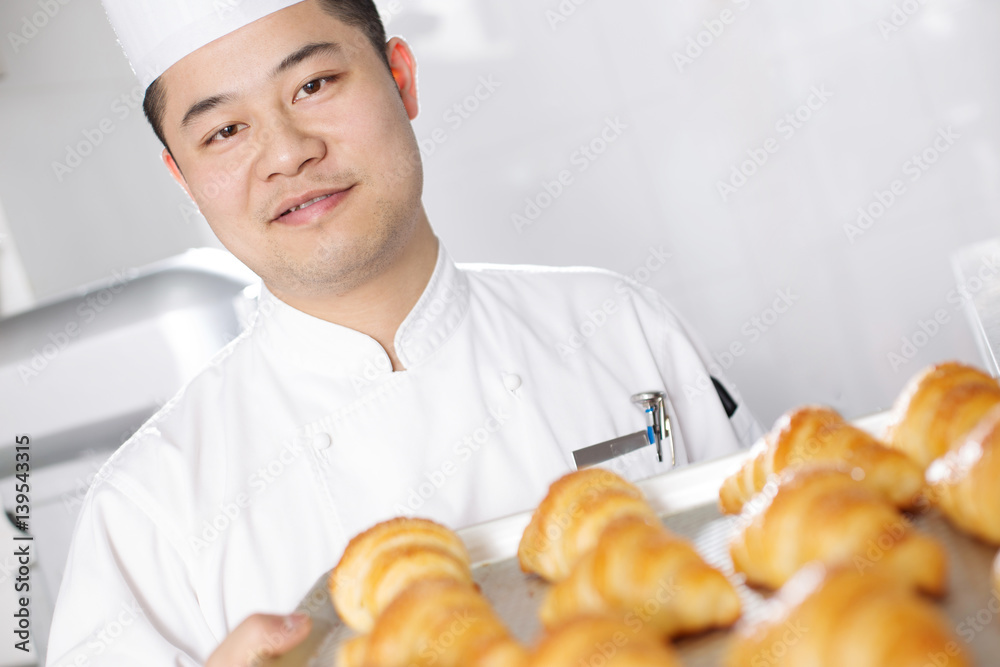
x=826, y=544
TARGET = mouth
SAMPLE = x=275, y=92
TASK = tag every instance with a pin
x=306, y=205
x=304, y=208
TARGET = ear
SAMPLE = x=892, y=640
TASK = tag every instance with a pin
x=404, y=71
x=175, y=171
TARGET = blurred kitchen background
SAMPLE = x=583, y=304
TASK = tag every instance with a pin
x=739, y=137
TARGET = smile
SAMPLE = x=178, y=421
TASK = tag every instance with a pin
x=305, y=205
x=309, y=207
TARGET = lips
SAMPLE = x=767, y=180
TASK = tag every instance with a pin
x=306, y=205
x=303, y=208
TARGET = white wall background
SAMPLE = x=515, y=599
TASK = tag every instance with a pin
x=656, y=186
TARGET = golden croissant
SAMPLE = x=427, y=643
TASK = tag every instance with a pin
x=938, y=407
x=996, y=574
x=440, y=622
x=568, y=522
x=843, y=617
x=824, y=514
x=386, y=559
x=648, y=577
x=965, y=483
x=816, y=434
x=608, y=642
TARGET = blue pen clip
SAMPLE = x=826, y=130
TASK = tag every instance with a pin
x=650, y=426
x=657, y=422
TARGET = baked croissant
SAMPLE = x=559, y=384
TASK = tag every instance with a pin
x=996, y=574
x=643, y=574
x=938, y=407
x=965, y=483
x=439, y=622
x=386, y=559
x=570, y=519
x=844, y=617
x=816, y=434
x=824, y=514
x=596, y=640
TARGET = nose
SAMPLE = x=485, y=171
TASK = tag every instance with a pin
x=285, y=149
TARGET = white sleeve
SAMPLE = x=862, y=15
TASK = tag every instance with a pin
x=695, y=393
x=744, y=424
x=127, y=597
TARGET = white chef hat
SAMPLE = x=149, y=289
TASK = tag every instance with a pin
x=155, y=34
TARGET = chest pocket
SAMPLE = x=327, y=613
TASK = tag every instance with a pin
x=641, y=454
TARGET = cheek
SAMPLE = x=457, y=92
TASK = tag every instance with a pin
x=383, y=124
x=221, y=185
x=391, y=148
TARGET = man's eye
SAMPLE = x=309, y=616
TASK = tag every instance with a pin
x=226, y=132
x=312, y=88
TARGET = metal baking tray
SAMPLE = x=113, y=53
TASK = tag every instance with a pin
x=686, y=500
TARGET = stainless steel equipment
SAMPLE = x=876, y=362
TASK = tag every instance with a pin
x=977, y=277
x=656, y=433
x=686, y=499
x=81, y=372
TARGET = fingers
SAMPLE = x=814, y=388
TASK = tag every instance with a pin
x=260, y=636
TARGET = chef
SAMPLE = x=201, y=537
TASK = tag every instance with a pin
x=378, y=378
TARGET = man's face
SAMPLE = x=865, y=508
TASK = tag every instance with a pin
x=290, y=108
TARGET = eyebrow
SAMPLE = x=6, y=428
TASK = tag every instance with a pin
x=202, y=107
x=306, y=52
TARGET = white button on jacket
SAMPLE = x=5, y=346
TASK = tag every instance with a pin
x=246, y=487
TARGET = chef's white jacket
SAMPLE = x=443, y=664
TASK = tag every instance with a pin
x=246, y=486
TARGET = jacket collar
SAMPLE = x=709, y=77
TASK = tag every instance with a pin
x=333, y=349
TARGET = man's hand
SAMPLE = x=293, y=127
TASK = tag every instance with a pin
x=260, y=636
